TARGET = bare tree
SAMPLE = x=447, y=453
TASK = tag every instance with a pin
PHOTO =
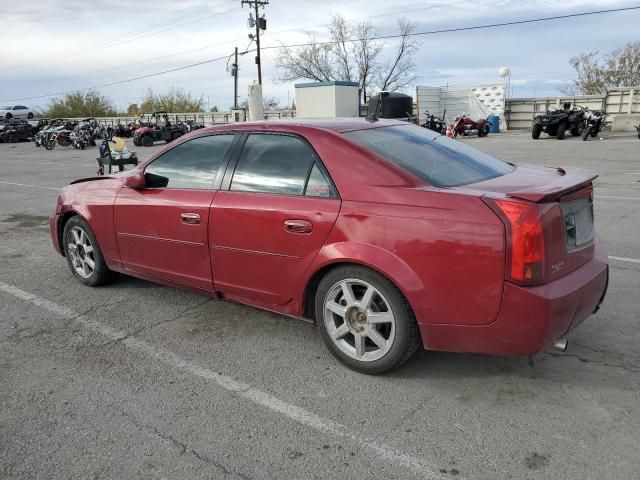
x=342, y=47
x=366, y=54
x=311, y=62
x=590, y=80
x=623, y=66
x=596, y=72
x=399, y=72
x=352, y=54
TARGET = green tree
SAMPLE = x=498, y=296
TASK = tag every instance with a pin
x=82, y=104
x=133, y=110
x=175, y=100
x=597, y=72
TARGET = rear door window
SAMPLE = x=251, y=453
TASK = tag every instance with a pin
x=440, y=161
x=273, y=163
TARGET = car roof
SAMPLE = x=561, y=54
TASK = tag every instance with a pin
x=338, y=125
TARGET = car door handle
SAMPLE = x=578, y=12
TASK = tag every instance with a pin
x=298, y=226
x=190, y=218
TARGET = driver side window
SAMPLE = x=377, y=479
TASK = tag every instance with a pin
x=190, y=165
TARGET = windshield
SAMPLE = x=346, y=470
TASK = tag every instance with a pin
x=439, y=160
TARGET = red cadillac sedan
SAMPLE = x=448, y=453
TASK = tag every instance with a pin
x=390, y=236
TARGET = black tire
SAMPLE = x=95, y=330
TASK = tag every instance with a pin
x=136, y=141
x=147, y=141
x=577, y=130
x=406, y=339
x=50, y=144
x=8, y=116
x=585, y=134
x=30, y=115
x=176, y=135
x=100, y=274
x=562, y=128
x=536, y=131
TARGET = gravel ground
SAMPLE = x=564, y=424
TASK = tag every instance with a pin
x=136, y=380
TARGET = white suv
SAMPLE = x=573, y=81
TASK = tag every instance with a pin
x=15, y=111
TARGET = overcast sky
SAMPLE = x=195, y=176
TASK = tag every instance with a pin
x=59, y=45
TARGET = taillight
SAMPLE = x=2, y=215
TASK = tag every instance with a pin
x=525, y=240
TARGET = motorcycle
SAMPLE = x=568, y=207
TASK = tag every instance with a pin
x=434, y=123
x=594, y=124
x=463, y=125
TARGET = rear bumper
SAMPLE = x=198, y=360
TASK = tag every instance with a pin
x=54, y=223
x=531, y=318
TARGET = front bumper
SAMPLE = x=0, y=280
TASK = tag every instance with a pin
x=531, y=318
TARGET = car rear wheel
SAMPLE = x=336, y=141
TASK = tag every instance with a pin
x=84, y=255
x=364, y=320
x=536, y=131
x=147, y=141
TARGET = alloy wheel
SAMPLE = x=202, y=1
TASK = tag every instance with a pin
x=359, y=320
x=81, y=252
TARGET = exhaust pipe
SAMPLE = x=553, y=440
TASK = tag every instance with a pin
x=561, y=344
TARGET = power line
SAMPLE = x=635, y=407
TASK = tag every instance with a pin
x=130, y=36
x=383, y=37
x=463, y=29
x=119, y=82
x=163, y=57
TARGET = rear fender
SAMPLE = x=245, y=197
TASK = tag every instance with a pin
x=370, y=256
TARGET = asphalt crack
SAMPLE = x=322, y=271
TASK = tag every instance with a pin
x=628, y=368
x=183, y=447
x=150, y=326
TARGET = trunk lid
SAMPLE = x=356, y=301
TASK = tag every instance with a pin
x=565, y=202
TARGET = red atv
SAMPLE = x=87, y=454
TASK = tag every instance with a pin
x=146, y=135
x=463, y=125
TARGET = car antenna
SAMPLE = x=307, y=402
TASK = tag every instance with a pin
x=373, y=117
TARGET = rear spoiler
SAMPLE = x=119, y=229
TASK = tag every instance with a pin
x=564, y=184
x=91, y=179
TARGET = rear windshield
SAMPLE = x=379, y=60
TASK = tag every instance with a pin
x=441, y=161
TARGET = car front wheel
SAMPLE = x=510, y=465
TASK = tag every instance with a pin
x=83, y=254
x=364, y=320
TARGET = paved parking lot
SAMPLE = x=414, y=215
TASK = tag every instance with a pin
x=136, y=380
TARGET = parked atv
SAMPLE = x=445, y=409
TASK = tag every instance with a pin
x=557, y=121
x=594, y=124
x=463, y=125
x=146, y=136
x=435, y=124
x=16, y=131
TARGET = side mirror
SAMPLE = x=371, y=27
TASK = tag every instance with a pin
x=135, y=181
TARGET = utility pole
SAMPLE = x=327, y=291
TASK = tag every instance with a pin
x=261, y=24
x=234, y=73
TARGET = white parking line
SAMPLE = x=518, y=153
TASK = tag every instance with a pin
x=30, y=186
x=246, y=391
x=625, y=259
x=606, y=197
